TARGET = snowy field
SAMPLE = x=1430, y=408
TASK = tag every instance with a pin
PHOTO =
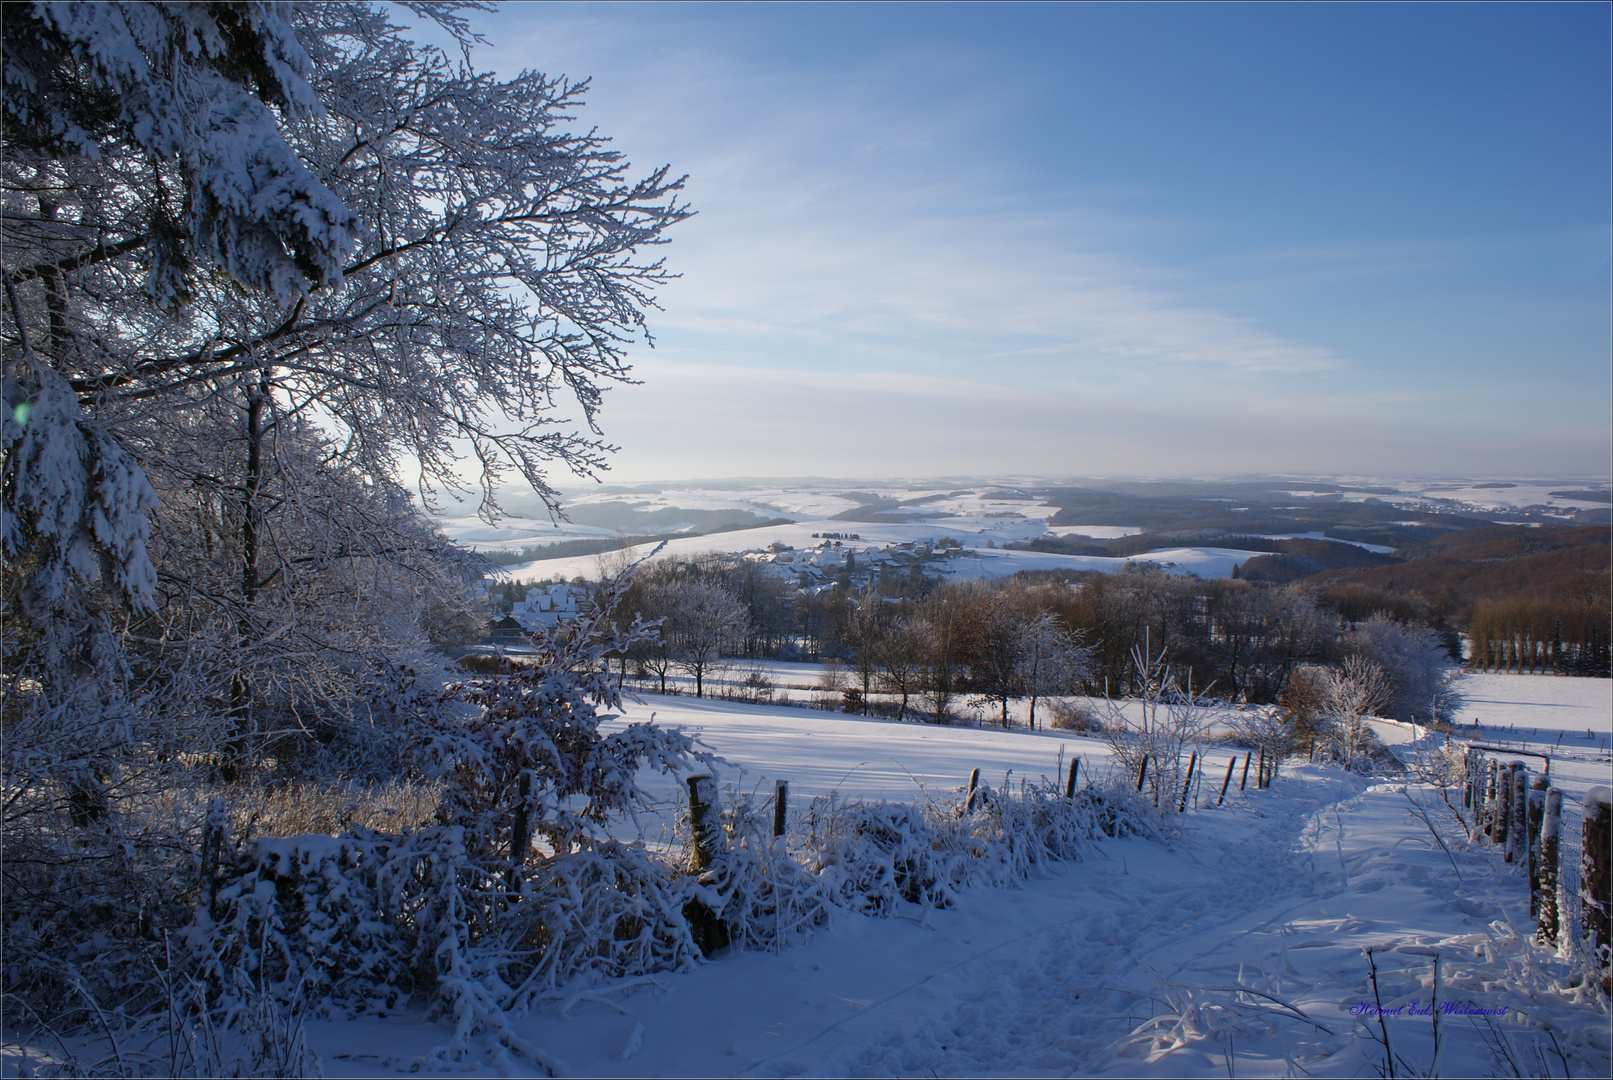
x=981, y=515
x=977, y=562
x=1233, y=948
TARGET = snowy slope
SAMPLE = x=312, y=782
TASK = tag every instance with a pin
x=1234, y=948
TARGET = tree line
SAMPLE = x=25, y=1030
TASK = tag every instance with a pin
x=924, y=645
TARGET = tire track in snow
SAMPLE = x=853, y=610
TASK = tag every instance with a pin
x=1066, y=1002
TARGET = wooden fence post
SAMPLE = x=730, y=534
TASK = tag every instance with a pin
x=215, y=834
x=974, y=782
x=781, y=804
x=1593, y=876
x=702, y=827
x=1537, y=814
x=520, y=831
x=1487, y=816
x=1503, y=806
x=1517, y=814
x=1230, y=765
x=1069, y=786
x=1550, y=918
x=1142, y=772
x=1467, y=778
x=1260, y=771
x=1181, y=808
x=1246, y=759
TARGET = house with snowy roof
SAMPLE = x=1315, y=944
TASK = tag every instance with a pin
x=547, y=605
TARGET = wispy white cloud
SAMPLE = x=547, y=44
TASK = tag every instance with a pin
x=838, y=216
x=872, y=287
x=792, y=422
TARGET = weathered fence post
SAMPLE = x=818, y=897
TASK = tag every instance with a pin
x=520, y=831
x=1230, y=766
x=1260, y=771
x=1246, y=759
x=1142, y=772
x=1550, y=918
x=1490, y=768
x=781, y=805
x=1593, y=876
x=1069, y=786
x=974, y=782
x=702, y=826
x=214, y=836
x=1518, y=814
x=1537, y=814
x=1181, y=807
x=1467, y=778
x=1503, y=806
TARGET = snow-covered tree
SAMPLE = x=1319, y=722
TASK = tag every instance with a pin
x=1051, y=660
x=704, y=621
x=527, y=762
x=1416, y=665
x=1353, y=693
x=295, y=217
x=257, y=257
x=1166, y=721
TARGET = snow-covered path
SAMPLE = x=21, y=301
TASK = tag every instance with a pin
x=1069, y=1000
x=1238, y=945
x=1236, y=948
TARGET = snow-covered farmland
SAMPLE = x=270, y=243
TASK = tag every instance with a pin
x=1234, y=947
x=976, y=561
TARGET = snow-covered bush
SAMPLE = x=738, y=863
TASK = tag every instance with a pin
x=761, y=897
x=1074, y=715
x=521, y=754
x=873, y=856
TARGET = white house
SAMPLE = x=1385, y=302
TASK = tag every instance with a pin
x=545, y=606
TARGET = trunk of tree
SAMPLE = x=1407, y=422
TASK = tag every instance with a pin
x=251, y=540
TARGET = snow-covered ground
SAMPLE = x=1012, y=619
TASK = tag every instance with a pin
x=978, y=560
x=1234, y=948
x=982, y=516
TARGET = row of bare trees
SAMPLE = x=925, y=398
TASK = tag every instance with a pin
x=1565, y=633
x=992, y=643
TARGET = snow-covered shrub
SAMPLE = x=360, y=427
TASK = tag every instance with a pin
x=871, y=856
x=762, y=897
x=612, y=911
x=1073, y=715
x=1276, y=731
x=521, y=754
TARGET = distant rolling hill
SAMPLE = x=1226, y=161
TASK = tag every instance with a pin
x=1480, y=564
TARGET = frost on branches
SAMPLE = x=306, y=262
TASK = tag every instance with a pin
x=255, y=255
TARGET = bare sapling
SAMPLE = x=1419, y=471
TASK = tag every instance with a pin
x=1163, y=721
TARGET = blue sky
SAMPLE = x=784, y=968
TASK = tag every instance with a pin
x=1066, y=240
